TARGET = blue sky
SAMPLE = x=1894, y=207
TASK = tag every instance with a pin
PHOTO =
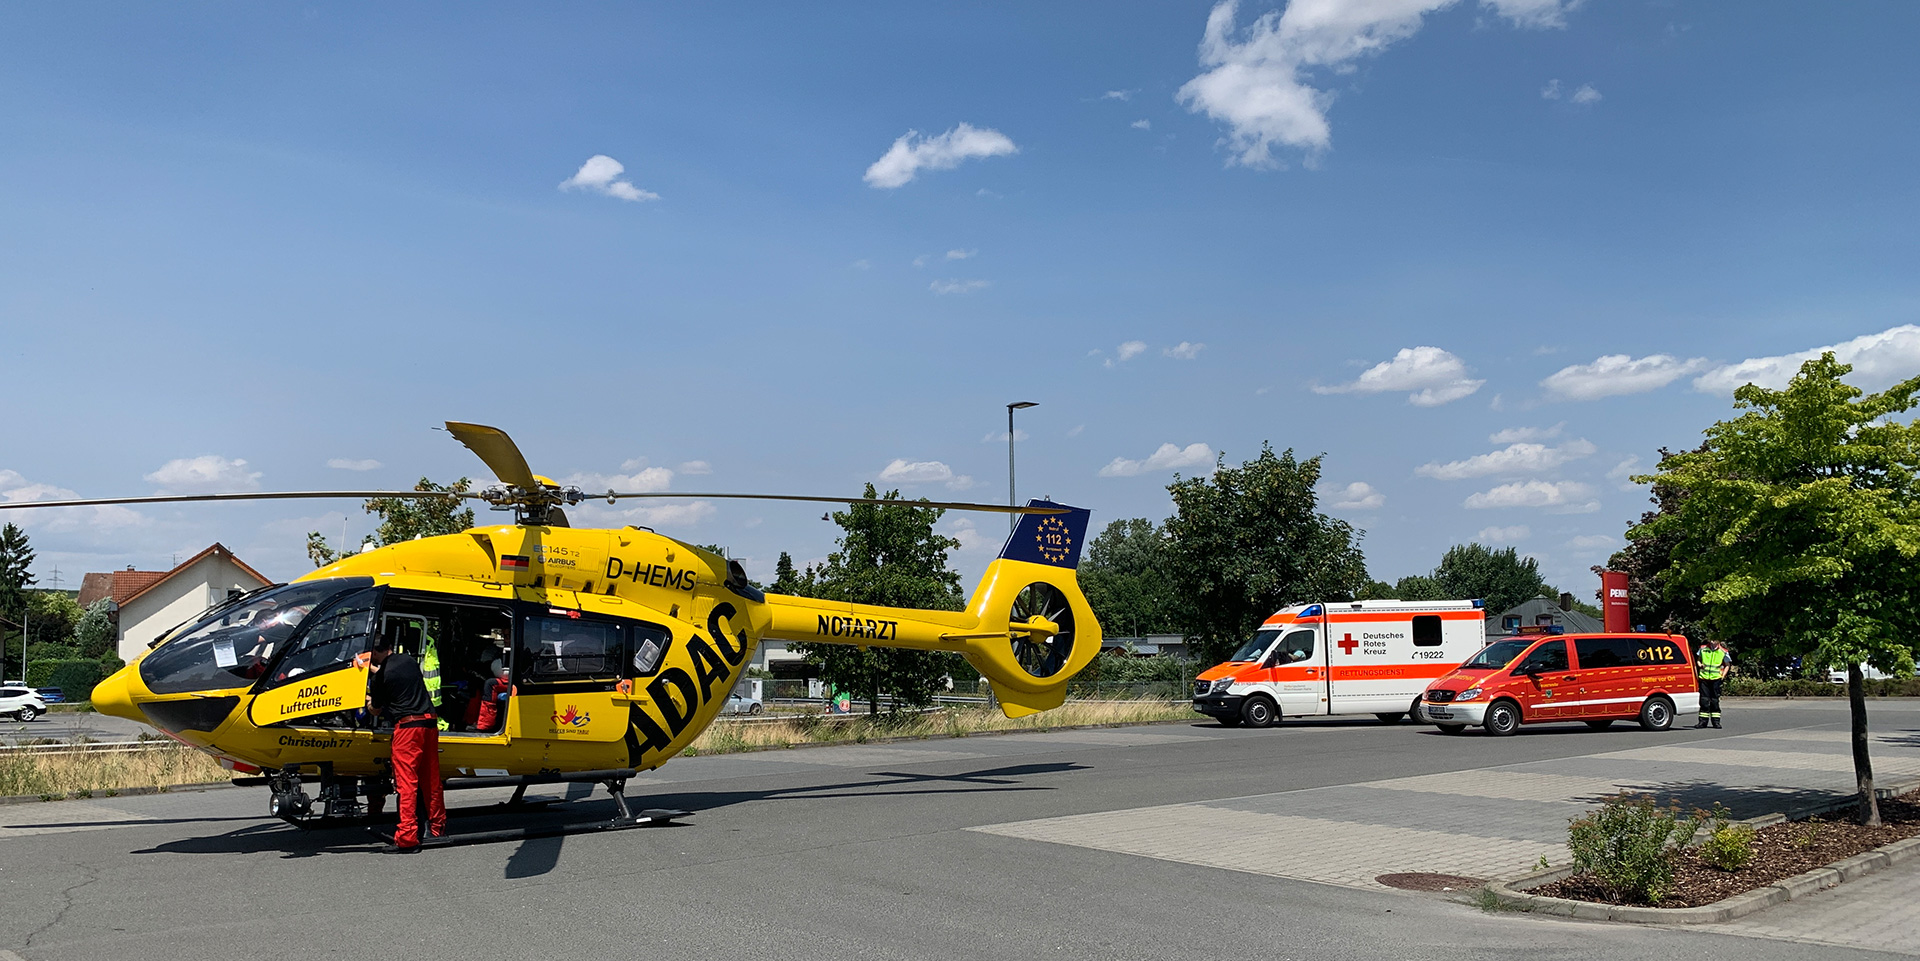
x=1481, y=254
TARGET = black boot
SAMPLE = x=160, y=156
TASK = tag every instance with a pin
x=1703, y=723
x=1716, y=723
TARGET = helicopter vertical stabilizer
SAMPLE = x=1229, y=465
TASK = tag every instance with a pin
x=1028, y=628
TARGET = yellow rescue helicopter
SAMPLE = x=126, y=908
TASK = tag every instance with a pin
x=617, y=647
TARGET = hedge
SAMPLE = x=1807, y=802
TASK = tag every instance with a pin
x=1800, y=687
x=74, y=678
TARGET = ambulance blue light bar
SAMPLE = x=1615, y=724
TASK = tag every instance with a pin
x=1313, y=610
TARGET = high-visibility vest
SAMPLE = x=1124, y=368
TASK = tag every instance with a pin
x=1713, y=664
x=430, y=667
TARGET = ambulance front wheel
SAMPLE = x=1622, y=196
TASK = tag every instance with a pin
x=1503, y=718
x=1259, y=712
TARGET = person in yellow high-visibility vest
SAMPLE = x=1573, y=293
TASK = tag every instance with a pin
x=430, y=672
x=1710, y=666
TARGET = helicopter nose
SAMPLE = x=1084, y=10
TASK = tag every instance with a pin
x=115, y=696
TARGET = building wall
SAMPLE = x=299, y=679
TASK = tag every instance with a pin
x=178, y=598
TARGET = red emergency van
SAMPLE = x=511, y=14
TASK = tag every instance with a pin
x=1595, y=678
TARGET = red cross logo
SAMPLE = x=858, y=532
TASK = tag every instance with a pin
x=1347, y=646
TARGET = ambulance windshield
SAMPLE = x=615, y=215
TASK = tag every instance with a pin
x=1255, y=646
x=1496, y=656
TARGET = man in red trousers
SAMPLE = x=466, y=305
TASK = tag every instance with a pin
x=399, y=692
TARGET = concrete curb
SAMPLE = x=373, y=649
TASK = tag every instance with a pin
x=105, y=795
x=1514, y=892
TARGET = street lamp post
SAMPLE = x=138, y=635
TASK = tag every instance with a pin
x=1013, y=519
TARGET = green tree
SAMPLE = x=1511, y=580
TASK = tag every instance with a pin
x=1648, y=563
x=1247, y=541
x=889, y=555
x=1124, y=575
x=1798, y=524
x=1502, y=578
x=788, y=581
x=403, y=519
x=16, y=560
x=93, y=632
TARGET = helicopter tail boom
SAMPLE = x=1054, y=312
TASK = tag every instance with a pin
x=1028, y=628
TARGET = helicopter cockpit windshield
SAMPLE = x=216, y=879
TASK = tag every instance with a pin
x=234, y=645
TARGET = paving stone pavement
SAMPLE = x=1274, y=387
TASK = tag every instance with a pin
x=1877, y=912
x=1487, y=823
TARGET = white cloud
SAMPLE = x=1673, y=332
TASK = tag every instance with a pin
x=638, y=479
x=1434, y=377
x=1358, y=495
x=1121, y=95
x=1001, y=437
x=1622, y=474
x=960, y=254
x=1879, y=361
x=1534, y=14
x=1259, y=81
x=1615, y=374
x=1516, y=434
x=1586, y=94
x=1130, y=350
x=1503, y=535
x=1168, y=457
x=902, y=471
x=1552, y=90
x=1141, y=124
x=206, y=474
x=912, y=152
x=863, y=264
x=689, y=514
x=1589, y=543
x=1522, y=458
x=1562, y=497
x=599, y=174
x=921, y=261
x=15, y=488
x=1076, y=429
x=972, y=539
x=945, y=287
x=696, y=468
x=1183, y=350
x=343, y=463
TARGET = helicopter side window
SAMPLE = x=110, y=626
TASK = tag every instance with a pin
x=573, y=648
x=333, y=638
x=650, y=644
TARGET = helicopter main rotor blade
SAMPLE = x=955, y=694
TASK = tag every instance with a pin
x=249, y=496
x=498, y=451
x=942, y=505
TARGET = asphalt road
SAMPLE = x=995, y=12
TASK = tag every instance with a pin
x=68, y=726
x=858, y=852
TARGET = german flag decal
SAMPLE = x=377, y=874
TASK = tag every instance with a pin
x=514, y=562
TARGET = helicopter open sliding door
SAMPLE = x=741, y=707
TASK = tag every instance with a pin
x=467, y=640
x=322, y=679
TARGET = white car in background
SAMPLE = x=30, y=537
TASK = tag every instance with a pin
x=742, y=702
x=23, y=703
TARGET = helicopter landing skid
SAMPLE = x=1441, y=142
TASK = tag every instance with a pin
x=627, y=819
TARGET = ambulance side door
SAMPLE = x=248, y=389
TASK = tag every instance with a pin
x=1297, y=671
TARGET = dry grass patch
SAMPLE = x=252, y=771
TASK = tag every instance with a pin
x=89, y=773
x=727, y=736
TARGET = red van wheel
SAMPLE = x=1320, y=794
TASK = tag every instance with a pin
x=1503, y=718
x=1656, y=714
x=1258, y=712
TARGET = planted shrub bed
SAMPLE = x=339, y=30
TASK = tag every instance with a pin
x=1778, y=852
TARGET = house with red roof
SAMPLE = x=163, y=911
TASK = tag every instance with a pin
x=147, y=604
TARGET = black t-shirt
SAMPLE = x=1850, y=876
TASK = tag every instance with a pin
x=398, y=689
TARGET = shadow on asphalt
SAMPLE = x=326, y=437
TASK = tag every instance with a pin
x=1743, y=802
x=537, y=856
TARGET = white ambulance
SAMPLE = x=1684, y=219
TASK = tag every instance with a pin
x=1341, y=657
